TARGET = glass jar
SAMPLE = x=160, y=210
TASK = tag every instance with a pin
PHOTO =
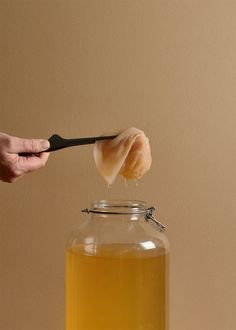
x=117, y=269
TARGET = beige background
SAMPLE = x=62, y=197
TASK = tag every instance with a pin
x=82, y=68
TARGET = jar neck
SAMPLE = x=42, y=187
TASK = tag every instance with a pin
x=129, y=209
x=119, y=207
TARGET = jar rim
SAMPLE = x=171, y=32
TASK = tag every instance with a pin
x=119, y=206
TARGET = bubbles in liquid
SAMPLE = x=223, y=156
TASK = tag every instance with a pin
x=136, y=183
x=126, y=182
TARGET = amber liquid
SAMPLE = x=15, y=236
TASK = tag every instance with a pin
x=118, y=289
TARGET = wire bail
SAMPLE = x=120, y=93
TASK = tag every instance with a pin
x=149, y=216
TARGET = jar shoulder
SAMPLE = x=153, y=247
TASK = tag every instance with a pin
x=123, y=237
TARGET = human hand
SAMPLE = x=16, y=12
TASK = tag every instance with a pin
x=13, y=166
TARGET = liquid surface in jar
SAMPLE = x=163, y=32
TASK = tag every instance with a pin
x=118, y=289
x=128, y=154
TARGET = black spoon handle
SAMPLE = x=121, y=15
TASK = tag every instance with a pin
x=57, y=142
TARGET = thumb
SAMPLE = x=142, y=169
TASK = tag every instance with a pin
x=29, y=145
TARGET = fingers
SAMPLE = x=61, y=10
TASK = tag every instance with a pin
x=34, y=163
x=13, y=166
x=17, y=145
x=17, y=167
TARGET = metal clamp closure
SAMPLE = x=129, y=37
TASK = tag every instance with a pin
x=149, y=216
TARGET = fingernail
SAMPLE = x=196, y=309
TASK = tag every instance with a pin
x=45, y=144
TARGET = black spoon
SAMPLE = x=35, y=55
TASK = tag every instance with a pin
x=57, y=142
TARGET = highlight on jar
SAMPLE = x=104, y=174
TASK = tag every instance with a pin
x=117, y=269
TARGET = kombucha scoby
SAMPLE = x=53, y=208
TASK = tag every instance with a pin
x=128, y=154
